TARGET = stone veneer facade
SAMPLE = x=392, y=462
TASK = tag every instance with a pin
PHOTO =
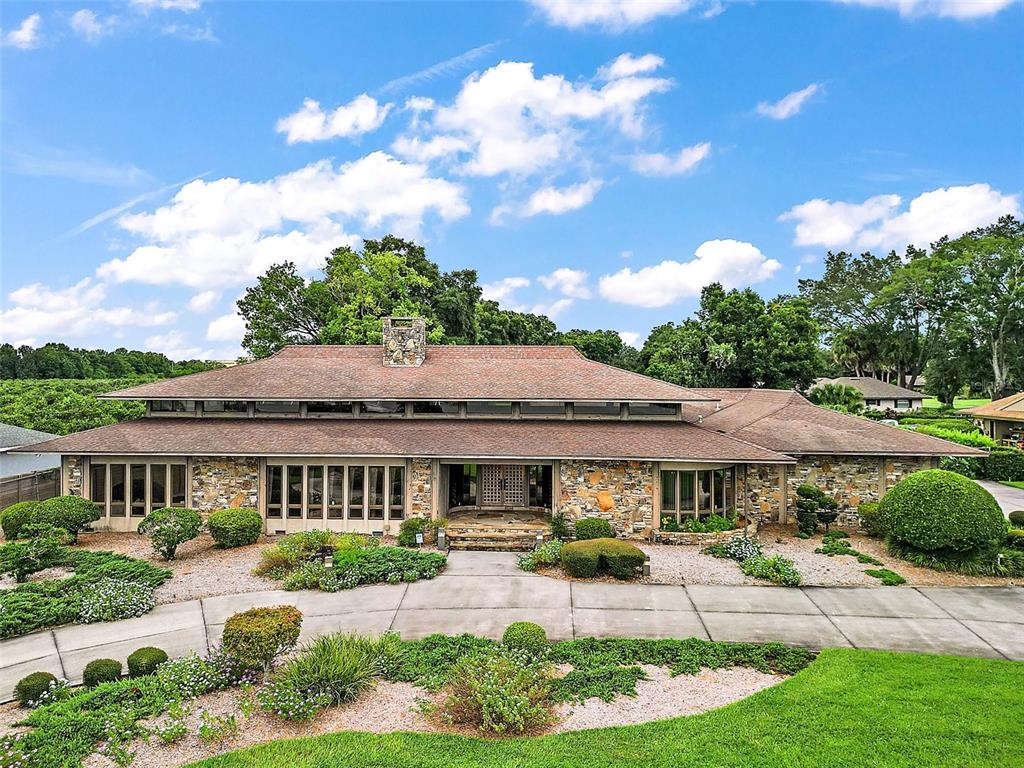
x=73, y=475
x=224, y=481
x=620, y=491
x=421, y=488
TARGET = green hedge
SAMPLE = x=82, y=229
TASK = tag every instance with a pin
x=586, y=559
x=936, y=510
x=15, y=517
x=972, y=440
x=593, y=528
x=956, y=425
x=1000, y=464
x=235, y=527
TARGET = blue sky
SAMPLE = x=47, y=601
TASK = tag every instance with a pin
x=598, y=162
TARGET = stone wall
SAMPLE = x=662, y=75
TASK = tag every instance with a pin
x=224, y=481
x=763, y=491
x=421, y=488
x=622, y=492
x=688, y=538
x=405, y=341
x=73, y=476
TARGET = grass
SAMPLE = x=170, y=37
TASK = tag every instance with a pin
x=1014, y=483
x=958, y=403
x=849, y=708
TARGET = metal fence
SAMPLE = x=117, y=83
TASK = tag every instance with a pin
x=33, y=486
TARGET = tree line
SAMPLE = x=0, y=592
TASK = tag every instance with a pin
x=59, y=361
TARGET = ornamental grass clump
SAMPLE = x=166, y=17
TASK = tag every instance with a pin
x=169, y=528
x=258, y=636
x=115, y=599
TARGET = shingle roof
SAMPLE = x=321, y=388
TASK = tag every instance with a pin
x=466, y=438
x=785, y=421
x=449, y=373
x=873, y=388
x=1006, y=409
x=12, y=436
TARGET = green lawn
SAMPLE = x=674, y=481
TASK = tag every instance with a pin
x=849, y=708
x=1014, y=483
x=958, y=403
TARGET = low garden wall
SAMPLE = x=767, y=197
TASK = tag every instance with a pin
x=689, y=538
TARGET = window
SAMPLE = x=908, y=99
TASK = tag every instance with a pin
x=902, y=403
x=668, y=491
x=157, y=486
x=462, y=484
x=687, y=492
x=376, y=493
x=704, y=491
x=172, y=406
x=383, y=408
x=396, y=499
x=314, y=492
x=328, y=406
x=435, y=408
x=609, y=408
x=678, y=488
x=872, y=401
x=225, y=406
x=489, y=408
x=178, y=485
x=98, y=484
x=294, y=492
x=539, y=485
x=531, y=408
x=335, y=493
x=356, y=497
x=654, y=409
x=282, y=408
x=117, y=490
x=274, y=484
x=138, y=490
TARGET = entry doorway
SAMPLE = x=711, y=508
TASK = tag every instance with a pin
x=503, y=485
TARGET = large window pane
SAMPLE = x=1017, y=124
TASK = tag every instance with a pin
x=376, y=490
x=138, y=490
x=728, y=484
x=335, y=493
x=668, y=491
x=178, y=491
x=383, y=407
x=98, y=485
x=686, y=492
x=597, y=409
x=356, y=497
x=539, y=479
x=396, y=496
x=329, y=406
x=157, y=486
x=315, y=492
x=435, y=407
x=225, y=406
x=294, y=492
x=489, y=408
x=117, y=490
x=462, y=485
x=531, y=408
x=273, y=408
x=704, y=490
x=654, y=409
x=274, y=485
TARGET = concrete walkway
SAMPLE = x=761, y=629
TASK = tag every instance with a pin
x=482, y=593
x=1009, y=498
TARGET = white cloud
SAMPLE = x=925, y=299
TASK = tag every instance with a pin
x=203, y=301
x=630, y=338
x=570, y=282
x=559, y=200
x=732, y=263
x=167, y=5
x=191, y=32
x=552, y=309
x=173, y=345
x=789, y=105
x=26, y=35
x=627, y=65
x=222, y=232
x=426, y=150
x=612, y=15
x=502, y=290
x=949, y=9
x=659, y=164
x=229, y=327
x=508, y=120
x=877, y=223
x=62, y=164
x=441, y=69
x=90, y=27
x=39, y=313
x=361, y=115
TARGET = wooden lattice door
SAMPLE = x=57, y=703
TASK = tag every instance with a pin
x=503, y=485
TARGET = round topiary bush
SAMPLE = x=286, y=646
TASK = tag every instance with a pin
x=15, y=517
x=594, y=528
x=31, y=687
x=938, y=510
x=257, y=636
x=235, y=527
x=1016, y=519
x=586, y=559
x=72, y=513
x=145, y=661
x=526, y=636
x=169, y=528
x=101, y=671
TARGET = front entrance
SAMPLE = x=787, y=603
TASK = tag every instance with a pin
x=497, y=487
x=503, y=485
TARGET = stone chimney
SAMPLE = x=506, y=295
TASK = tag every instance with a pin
x=405, y=341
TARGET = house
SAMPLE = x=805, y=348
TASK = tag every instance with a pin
x=880, y=395
x=1002, y=420
x=12, y=464
x=357, y=438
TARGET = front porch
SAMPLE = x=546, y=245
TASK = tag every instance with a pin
x=518, y=529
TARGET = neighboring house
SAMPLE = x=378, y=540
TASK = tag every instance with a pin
x=880, y=395
x=357, y=438
x=12, y=464
x=1002, y=420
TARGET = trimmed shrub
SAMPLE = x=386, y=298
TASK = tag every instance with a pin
x=15, y=517
x=170, y=527
x=411, y=526
x=31, y=688
x=526, y=636
x=971, y=439
x=871, y=519
x=1003, y=464
x=586, y=559
x=1017, y=518
x=1015, y=538
x=594, y=528
x=936, y=510
x=101, y=671
x=257, y=636
x=235, y=527
x=72, y=513
x=144, y=661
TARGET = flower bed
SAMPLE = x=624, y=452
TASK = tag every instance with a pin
x=689, y=538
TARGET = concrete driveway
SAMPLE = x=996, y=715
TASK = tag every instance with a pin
x=483, y=593
x=1009, y=498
